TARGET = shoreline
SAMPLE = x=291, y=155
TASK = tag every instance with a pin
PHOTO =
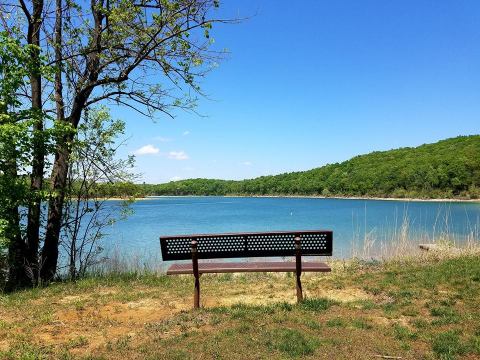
x=315, y=197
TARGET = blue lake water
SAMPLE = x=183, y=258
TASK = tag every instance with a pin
x=352, y=221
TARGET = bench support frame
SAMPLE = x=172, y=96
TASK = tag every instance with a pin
x=196, y=274
x=196, y=294
x=246, y=245
x=298, y=260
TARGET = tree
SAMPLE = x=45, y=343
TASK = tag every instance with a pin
x=445, y=169
x=147, y=55
x=13, y=61
x=17, y=139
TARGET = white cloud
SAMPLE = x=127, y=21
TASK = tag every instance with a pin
x=185, y=133
x=178, y=155
x=147, y=150
x=175, y=178
x=162, y=139
x=247, y=163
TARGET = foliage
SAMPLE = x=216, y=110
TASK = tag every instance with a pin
x=147, y=55
x=446, y=169
x=16, y=142
x=14, y=135
x=94, y=161
x=18, y=138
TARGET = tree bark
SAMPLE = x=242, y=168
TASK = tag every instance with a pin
x=59, y=177
x=38, y=161
x=17, y=276
x=55, y=207
x=62, y=157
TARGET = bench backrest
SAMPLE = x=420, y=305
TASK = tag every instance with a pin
x=243, y=245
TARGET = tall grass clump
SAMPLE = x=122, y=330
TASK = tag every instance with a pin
x=402, y=238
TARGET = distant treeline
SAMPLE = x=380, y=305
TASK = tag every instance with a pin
x=446, y=169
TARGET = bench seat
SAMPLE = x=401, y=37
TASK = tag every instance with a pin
x=233, y=267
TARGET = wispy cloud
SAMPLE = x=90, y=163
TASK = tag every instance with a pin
x=175, y=178
x=185, y=133
x=147, y=150
x=247, y=163
x=162, y=139
x=178, y=155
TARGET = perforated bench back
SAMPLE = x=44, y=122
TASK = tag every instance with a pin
x=243, y=245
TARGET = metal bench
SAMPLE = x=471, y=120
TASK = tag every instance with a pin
x=246, y=245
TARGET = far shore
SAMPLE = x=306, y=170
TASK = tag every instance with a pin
x=311, y=197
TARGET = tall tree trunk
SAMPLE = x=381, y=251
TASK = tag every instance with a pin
x=38, y=162
x=59, y=177
x=55, y=207
x=62, y=157
x=60, y=167
x=17, y=276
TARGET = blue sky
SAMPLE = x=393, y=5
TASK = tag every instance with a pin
x=315, y=82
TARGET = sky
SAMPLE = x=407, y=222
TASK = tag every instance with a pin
x=314, y=82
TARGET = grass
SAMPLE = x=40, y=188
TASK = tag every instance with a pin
x=448, y=345
x=292, y=342
x=418, y=308
x=317, y=304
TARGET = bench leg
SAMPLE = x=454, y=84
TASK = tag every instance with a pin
x=299, y=289
x=298, y=270
x=196, y=294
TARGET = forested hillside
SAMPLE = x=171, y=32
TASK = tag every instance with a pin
x=446, y=169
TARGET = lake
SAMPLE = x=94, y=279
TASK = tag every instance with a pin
x=352, y=221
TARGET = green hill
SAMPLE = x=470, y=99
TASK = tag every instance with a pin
x=446, y=169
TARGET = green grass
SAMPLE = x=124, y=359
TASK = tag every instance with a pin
x=444, y=315
x=361, y=323
x=292, y=342
x=337, y=322
x=317, y=304
x=410, y=309
x=448, y=345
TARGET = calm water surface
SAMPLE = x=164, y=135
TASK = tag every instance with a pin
x=350, y=220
